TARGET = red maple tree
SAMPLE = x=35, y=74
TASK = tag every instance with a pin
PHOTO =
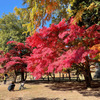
x=62, y=45
x=15, y=58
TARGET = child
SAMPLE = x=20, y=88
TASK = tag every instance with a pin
x=11, y=86
x=22, y=85
x=5, y=78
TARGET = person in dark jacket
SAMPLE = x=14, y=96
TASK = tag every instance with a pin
x=11, y=86
x=5, y=78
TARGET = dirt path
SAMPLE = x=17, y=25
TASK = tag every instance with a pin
x=49, y=91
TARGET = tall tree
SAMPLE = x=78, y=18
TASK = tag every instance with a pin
x=38, y=12
x=15, y=59
x=11, y=30
x=61, y=46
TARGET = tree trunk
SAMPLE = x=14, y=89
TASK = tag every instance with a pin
x=87, y=79
x=66, y=75
x=87, y=73
x=15, y=77
x=53, y=76
x=63, y=76
x=87, y=76
x=77, y=77
x=90, y=75
x=48, y=78
x=22, y=76
x=25, y=75
x=59, y=76
x=69, y=75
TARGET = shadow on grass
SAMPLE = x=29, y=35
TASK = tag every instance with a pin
x=33, y=82
x=69, y=86
x=19, y=98
x=45, y=99
x=77, y=86
x=41, y=81
x=41, y=98
x=22, y=89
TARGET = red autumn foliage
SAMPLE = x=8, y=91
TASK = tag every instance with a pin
x=15, y=59
x=60, y=46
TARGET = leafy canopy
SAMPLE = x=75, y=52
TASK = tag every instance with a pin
x=15, y=59
x=60, y=46
x=38, y=12
x=11, y=30
x=86, y=12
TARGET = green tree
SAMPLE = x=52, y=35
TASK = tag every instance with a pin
x=86, y=12
x=11, y=30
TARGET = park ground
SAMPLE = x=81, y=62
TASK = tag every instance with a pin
x=44, y=90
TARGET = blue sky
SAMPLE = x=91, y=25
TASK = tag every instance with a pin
x=7, y=6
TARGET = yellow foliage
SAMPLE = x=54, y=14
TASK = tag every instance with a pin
x=69, y=11
x=37, y=11
x=40, y=11
x=78, y=16
x=92, y=5
x=71, y=2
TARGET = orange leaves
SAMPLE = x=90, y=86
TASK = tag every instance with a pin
x=78, y=16
x=96, y=47
x=42, y=2
x=80, y=44
x=51, y=7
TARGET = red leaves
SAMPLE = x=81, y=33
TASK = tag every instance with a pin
x=10, y=42
x=2, y=70
x=52, y=55
x=16, y=58
x=1, y=52
x=11, y=65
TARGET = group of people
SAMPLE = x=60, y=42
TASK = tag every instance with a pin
x=12, y=86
